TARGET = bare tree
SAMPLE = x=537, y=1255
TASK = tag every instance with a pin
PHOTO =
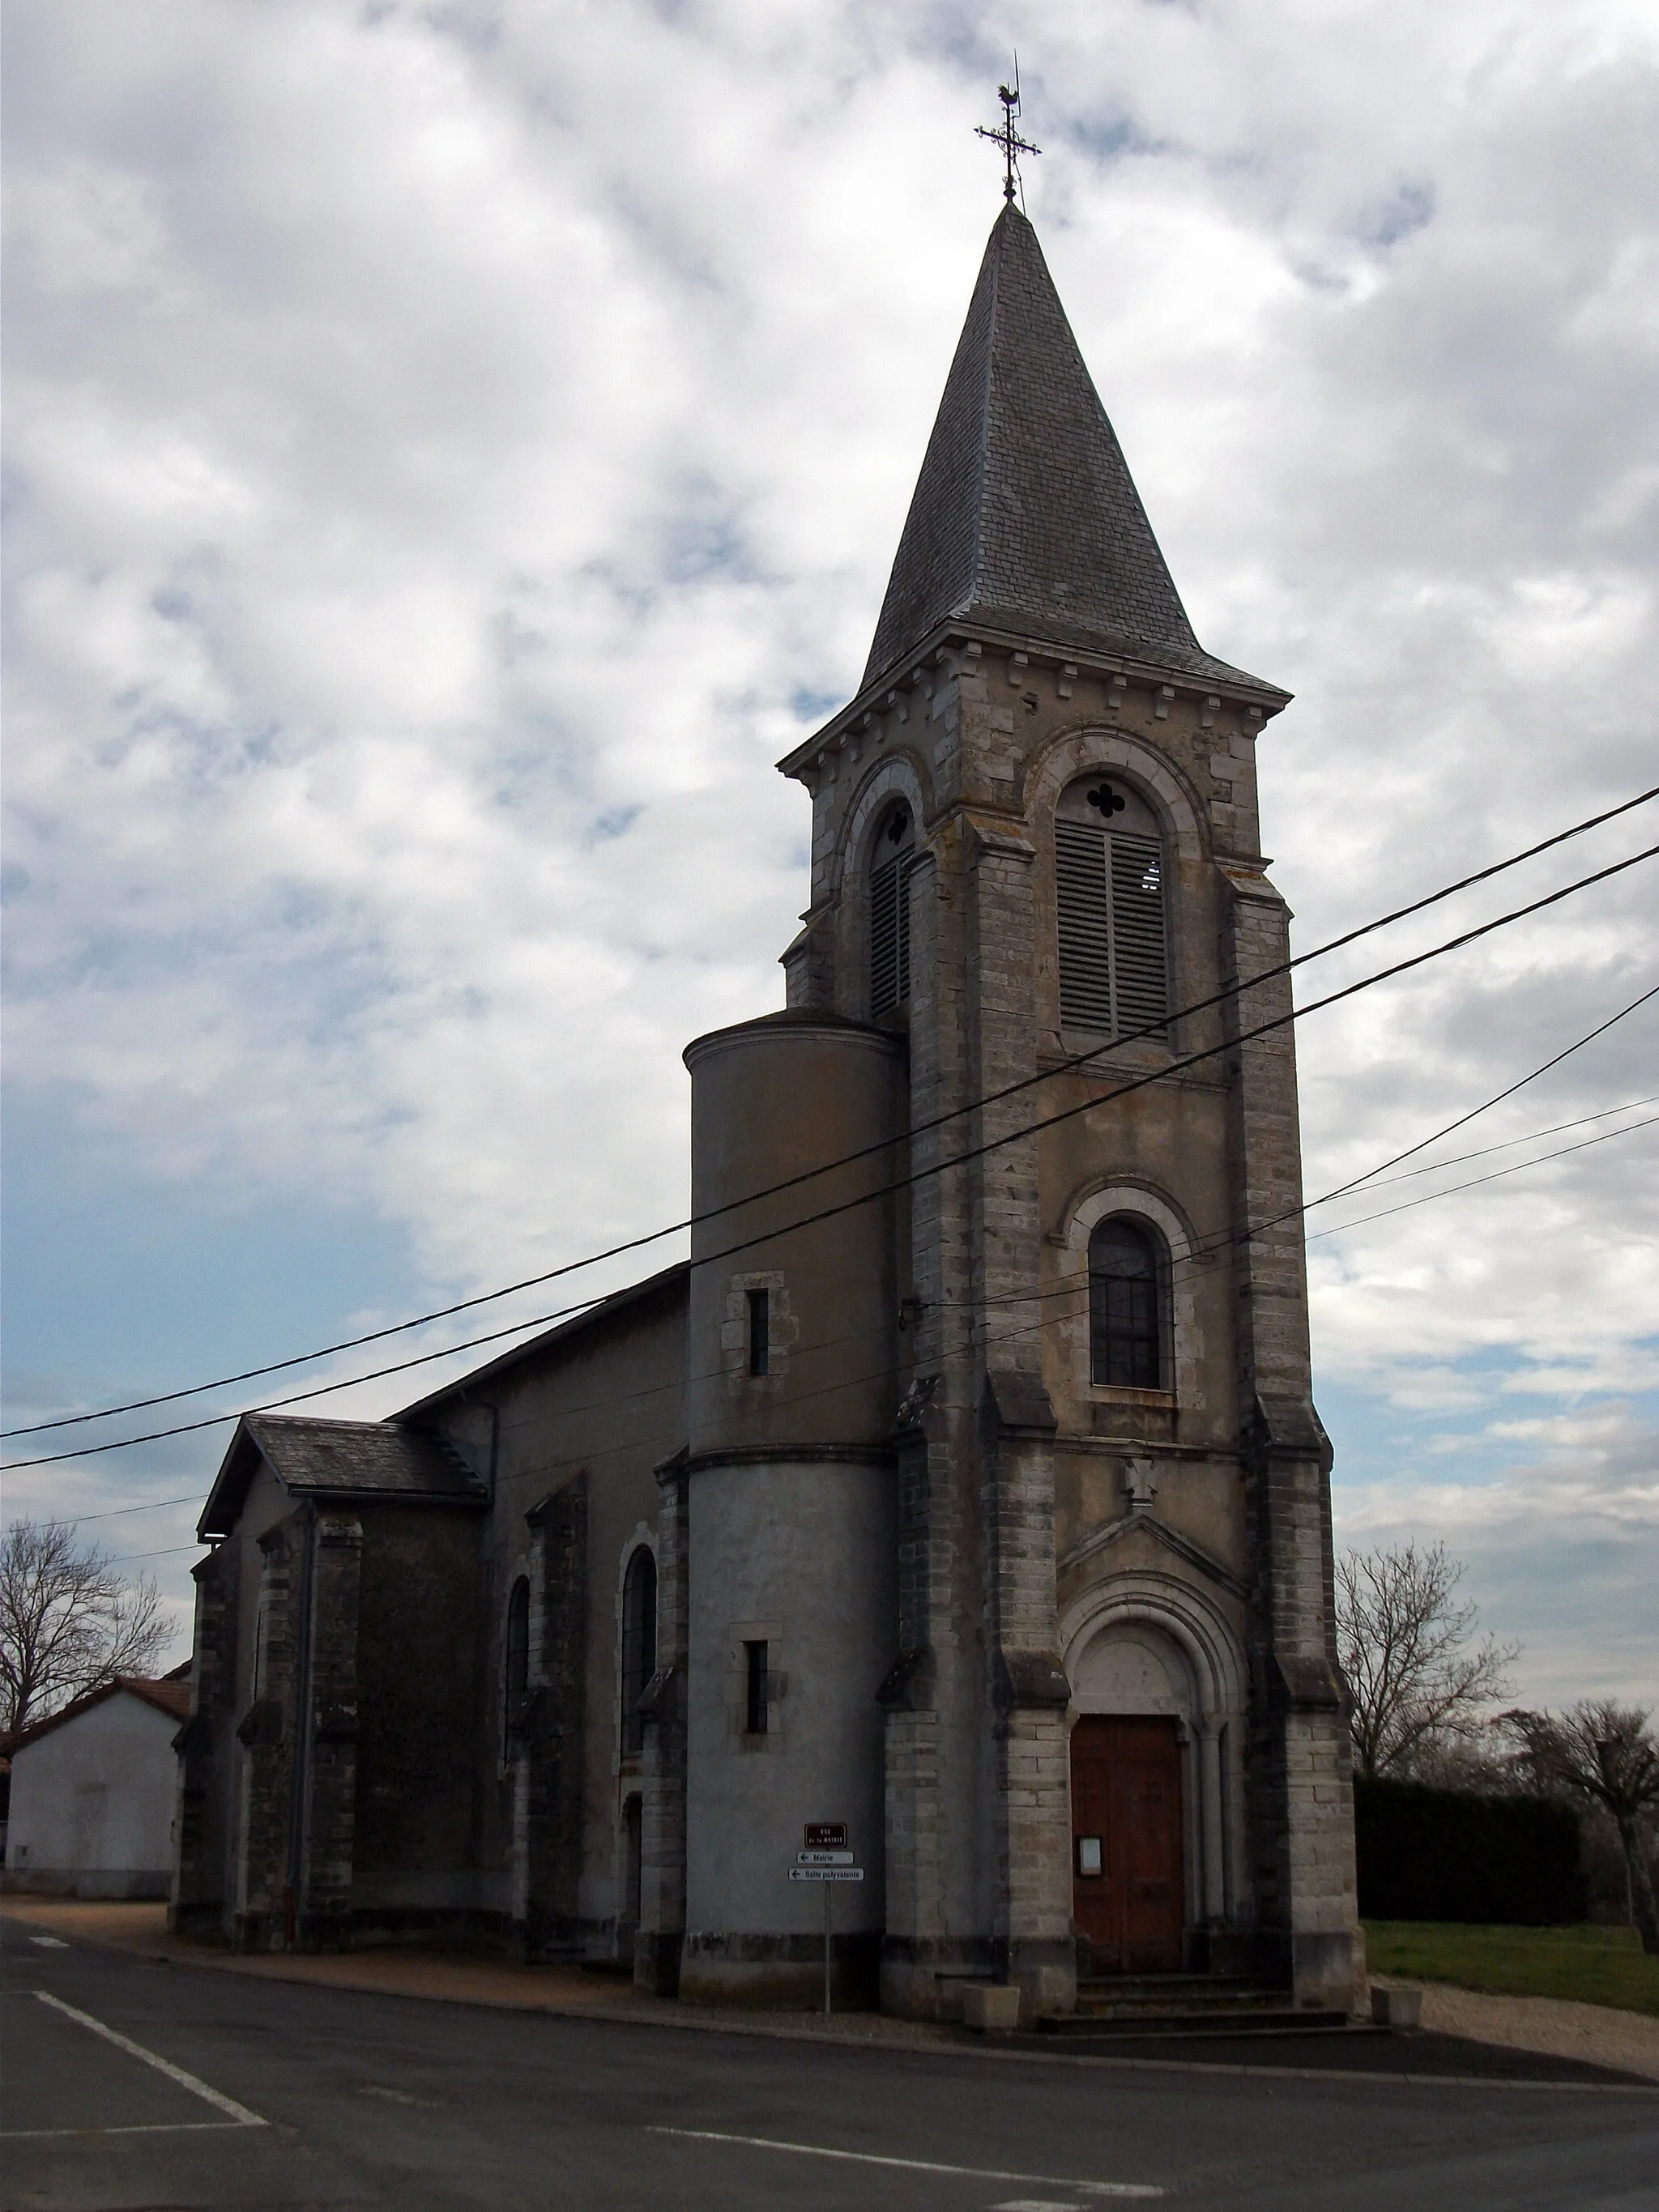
x=1416, y=1682
x=69, y=1620
x=1605, y=1753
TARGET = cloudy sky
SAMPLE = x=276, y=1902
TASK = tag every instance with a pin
x=455, y=449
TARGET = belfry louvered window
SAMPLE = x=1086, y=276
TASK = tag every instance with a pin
x=1108, y=868
x=892, y=857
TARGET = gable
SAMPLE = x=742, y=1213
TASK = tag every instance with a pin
x=115, y=1710
x=658, y=1298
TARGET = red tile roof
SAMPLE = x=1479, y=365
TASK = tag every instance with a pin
x=167, y=1695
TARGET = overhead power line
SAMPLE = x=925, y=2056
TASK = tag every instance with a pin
x=902, y=1183
x=1496, y=1175
x=1075, y=1291
x=1451, y=1127
x=1355, y=1183
x=1508, y=1144
x=1075, y=1063
x=1199, y=1254
x=1435, y=1167
x=1203, y=1250
x=113, y=1512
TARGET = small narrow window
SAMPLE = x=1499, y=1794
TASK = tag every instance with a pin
x=760, y=1332
x=892, y=857
x=638, y=1645
x=758, y=1684
x=1126, y=1306
x=516, y=1670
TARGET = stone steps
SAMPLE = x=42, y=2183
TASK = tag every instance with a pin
x=1212, y=2022
x=1188, y=2004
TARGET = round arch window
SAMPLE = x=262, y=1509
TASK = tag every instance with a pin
x=1128, y=1269
x=638, y=1645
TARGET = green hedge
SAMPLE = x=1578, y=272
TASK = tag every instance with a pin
x=1449, y=1855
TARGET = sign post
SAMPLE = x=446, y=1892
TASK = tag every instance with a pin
x=826, y=1860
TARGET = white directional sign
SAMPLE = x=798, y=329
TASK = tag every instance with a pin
x=823, y=1858
x=826, y=1874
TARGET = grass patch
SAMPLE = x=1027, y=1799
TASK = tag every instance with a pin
x=1597, y=1966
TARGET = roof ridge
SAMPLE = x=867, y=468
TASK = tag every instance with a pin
x=312, y=1420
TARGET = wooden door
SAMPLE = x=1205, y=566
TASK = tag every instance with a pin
x=1126, y=1886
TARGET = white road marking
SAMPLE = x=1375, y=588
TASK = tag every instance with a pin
x=239, y=2113
x=50, y=1943
x=915, y=2165
x=1035, y=2204
x=150, y=2128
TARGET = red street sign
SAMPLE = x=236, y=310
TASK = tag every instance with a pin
x=826, y=1835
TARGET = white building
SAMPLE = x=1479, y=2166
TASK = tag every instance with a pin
x=92, y=1793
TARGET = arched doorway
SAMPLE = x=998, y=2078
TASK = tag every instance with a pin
x=1146, y=1646
x=1129, y=1883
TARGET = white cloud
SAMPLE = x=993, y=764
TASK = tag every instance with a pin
x=1562, y=1549
x=446, y=442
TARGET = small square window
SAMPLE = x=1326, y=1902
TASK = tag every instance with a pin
x=1089, y=1859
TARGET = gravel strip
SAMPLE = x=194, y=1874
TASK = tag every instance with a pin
x=1557, y=2025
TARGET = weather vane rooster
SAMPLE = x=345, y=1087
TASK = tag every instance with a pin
x=1008, y=137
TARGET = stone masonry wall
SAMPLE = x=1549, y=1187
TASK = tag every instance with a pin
x=331, y=1715
x=1298, y=1767
x=206, y=1761
x=267, y=1733
x=662, y=1932
x=554, y=1727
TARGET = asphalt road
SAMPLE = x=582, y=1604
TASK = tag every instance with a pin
x=270, y=2093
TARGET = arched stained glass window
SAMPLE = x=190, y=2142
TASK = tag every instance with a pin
x=638, y=1645
x=1108, y=872
x=892, y=858
x=1128, y=1267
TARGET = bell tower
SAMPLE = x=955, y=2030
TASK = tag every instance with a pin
x=1037, y=868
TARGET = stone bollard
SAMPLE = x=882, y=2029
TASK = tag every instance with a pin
x=1396, y=2008
x=990, y=2008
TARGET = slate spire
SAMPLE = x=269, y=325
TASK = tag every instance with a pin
x=1026, y=517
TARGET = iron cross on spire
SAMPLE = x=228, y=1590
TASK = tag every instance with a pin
x=1008, y=138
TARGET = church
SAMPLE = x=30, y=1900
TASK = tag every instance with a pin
x=964, y=1491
